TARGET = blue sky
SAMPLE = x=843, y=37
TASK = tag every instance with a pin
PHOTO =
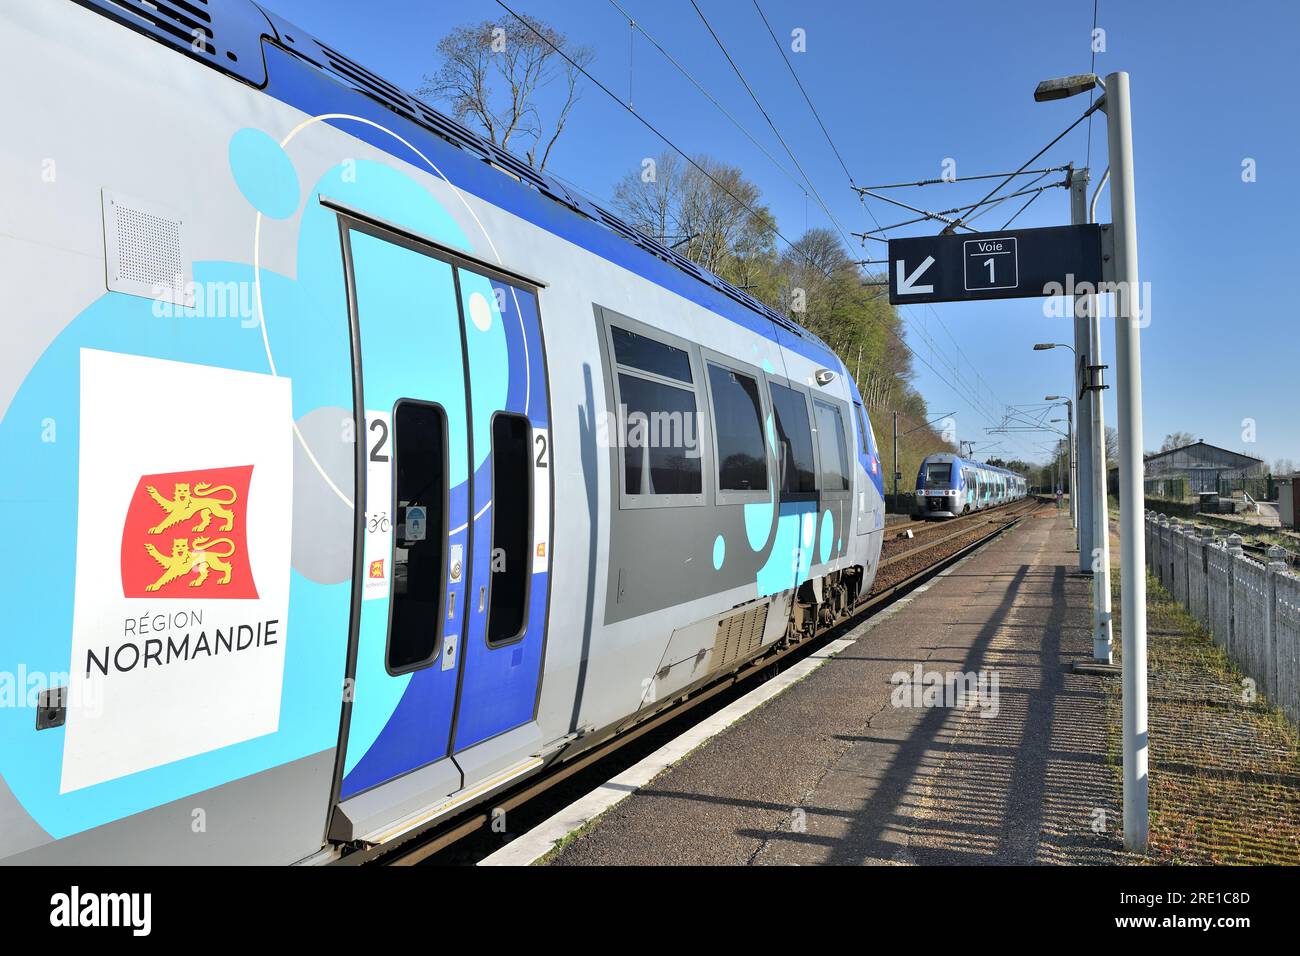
x=904, y=86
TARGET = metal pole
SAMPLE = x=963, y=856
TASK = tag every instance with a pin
x=1128, y=371
x=1073, y=478
x=1099, y=553
x=896, y=463
x=1082, y=358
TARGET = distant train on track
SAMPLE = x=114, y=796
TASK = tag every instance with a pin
x=355, y=470
x=948, y=486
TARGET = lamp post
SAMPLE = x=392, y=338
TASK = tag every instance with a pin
x=1128, y=367
x=1070, y=457
x=1080, y=504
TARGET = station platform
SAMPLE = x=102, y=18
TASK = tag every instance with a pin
x=871, y=760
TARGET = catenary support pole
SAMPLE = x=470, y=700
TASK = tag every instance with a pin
x=1073, y=462
x=1128, y=372
x=1082, y=359
x=1102, y=648
x=896, y=511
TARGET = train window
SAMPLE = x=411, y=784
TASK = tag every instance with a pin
x=790, y=409
x=832, y=446
x=419, y=546
x=512, y=499
x=648, y=355
x=938, y=474
x=738, y=424
x=862, y=429
x=661, y=444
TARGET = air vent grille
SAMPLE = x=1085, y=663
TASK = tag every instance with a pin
x=227, y=35
x=738, y=636
x=143, y=250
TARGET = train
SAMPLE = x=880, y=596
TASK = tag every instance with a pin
x=357, y=471
x=948, y=486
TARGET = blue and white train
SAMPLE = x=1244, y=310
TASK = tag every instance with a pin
x=948, y=486
x=354, y=470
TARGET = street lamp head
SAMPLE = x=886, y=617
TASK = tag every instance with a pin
x=1051, y=398
x=1043, y=346
x=1063, y=86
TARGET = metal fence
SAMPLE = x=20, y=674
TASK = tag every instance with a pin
x=1261, y=489
x=1168, y=489
x=1251, y=609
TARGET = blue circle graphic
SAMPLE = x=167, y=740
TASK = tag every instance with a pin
x=264, y=173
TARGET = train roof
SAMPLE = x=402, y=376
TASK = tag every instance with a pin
x=226, y=35
x=954, y=457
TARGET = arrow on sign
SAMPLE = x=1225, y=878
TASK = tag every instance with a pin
x=906, y=285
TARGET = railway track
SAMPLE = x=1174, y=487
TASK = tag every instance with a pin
x=472, y=835
x=925, y=535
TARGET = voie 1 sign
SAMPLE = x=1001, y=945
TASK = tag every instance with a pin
x=993, y=265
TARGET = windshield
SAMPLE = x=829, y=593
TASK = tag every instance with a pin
x=938, y=475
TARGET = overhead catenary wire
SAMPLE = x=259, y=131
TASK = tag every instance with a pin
x=1025, y=165
x=807, y=99
x=794, y=159
x=1001, y=199
x=956, y=372
x=1092, y=68
x=973, y=403
x=645, y=122
x=766, y=116
x=634, y=25
x=956, y=209
x=1029, y=202
x=967, y=179
x=852, y=183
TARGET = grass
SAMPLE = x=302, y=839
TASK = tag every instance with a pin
x=1225, y=766
x=546, y=858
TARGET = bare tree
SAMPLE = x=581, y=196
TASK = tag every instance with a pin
x=1177, y=440
x=494, y=76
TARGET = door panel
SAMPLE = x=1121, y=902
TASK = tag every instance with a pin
x=449, y=358
x=413, y=595
x=509, y=569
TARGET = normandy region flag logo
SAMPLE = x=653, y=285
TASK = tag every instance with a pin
x=185, y=536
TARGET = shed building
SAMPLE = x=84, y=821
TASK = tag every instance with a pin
x=1199, y=465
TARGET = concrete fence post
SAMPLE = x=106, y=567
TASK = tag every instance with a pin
x=1286, y=620
x=1232, y=638
x=1207, y=539
x=1276, y=568
x=1162, y=543
x=1171, y=559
